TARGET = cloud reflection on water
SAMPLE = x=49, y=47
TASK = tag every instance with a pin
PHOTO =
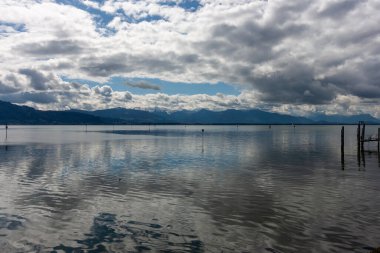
x=247, y=190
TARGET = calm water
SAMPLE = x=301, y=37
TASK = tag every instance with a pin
x=172, y=189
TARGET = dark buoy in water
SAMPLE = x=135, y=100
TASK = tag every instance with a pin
x=203, y=130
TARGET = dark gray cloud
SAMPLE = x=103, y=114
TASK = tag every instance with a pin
x=189, y=58
x=251, y=34
x=61, y=65
x=4, y=88
x=127, y=96
x=122, y=63
x=105, y=90
x=361, y=79
x=37, y=80
x=36, y=97
x=339, y=9
x=10, y=84
x=250, y=42
x=143, y=85
x=52, y=47
x=295, y=84
x=105, y=66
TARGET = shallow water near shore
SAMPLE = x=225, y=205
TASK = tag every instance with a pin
x=174, y=189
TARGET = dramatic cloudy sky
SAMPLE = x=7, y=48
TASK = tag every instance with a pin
x=297, y=57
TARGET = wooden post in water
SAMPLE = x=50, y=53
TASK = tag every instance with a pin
x=363, y=157
x=358, y=142
x=6, y=131
x=363, y=132
x=358, y=134
x=358, y=155
x=378, y=140
x=362, y=137
x=342, y=146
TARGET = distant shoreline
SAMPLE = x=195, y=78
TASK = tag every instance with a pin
x=195, y=124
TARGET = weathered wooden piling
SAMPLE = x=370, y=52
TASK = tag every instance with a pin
x=358, y=141
x=358, y=133
x=362, y=156
x=342, y=147
x=362, y=137
x=363, y=132
x=378, y=140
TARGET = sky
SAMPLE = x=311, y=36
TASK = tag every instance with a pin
x=297, y=57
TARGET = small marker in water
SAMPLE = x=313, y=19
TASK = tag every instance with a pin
x=203, y=130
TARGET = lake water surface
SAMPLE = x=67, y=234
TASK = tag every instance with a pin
x=174, y=189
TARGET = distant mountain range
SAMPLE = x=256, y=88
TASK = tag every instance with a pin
x=15, y=114
x=341, y=119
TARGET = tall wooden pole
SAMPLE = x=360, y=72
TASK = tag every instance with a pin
x=363, y=132
x=342, y=139
x=358, y=142
x=358, y=134
x=342, y=146
x=362, y=137
x=378, y=140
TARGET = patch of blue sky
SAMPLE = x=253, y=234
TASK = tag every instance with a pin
x=100, y=17
x=168, y=3
x=6, y=27
x=170, y=88
x=188, y=5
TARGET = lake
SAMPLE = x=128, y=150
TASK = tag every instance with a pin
x=176, y=189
